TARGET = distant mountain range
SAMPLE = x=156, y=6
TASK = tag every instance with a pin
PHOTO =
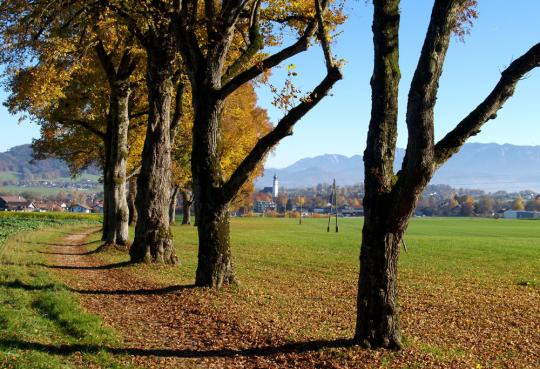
x=17, y=164
x=490, y=167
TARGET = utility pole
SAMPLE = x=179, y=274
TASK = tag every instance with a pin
x=333, y=204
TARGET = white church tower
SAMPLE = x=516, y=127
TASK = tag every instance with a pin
x=275, y=189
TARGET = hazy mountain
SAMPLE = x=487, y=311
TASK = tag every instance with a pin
x=490, y=167
x=18, y=161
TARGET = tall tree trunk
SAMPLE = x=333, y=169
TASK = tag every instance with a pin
x=153, y=239
x=186, y=207
x=119, y=113
x=132, y=194
x=214, y=268
x=377, y=322
x=172, y=205
x=116, y=144
x=106, y=187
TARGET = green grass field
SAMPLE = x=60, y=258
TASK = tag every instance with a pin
x=464, y=248
x=469, y=290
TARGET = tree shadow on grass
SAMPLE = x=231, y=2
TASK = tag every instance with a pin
x=61, y=244
x=287, y=348
x=97, y=267
x=140, y=291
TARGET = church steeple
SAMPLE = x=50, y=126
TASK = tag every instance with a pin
x=275, y=187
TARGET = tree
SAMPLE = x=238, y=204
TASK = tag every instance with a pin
x=243, y=122
x=82, y=78
x=152, y=26
x=467, y=206
x=390, y=198
x=217, y=66
x=485, y=205
x=519, y=203
x=533, y=204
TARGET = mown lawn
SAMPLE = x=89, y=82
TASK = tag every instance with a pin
x=41, y=321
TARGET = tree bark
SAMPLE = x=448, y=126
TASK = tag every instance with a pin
x=186, y=207
x=153, y=239
x=118, y=232
x=215, y=267
x=172, y=205
x=377, y=323
x=132, y=194
x=106, y=187
x=116, y=145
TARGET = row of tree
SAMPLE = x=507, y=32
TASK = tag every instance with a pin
x=152, y=78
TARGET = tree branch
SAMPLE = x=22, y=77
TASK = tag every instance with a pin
x=282, y=129
x=424, y=88
x=106, y=62
x=299, y=46
x=487, y=110
x=323, y=36
x=255, y=44
x=84, y=124
x=138, y=114
x=178, y=109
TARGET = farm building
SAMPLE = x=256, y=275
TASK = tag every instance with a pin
x=521, y=214
x=263, y=206
x=16, y=203
x=78, y=208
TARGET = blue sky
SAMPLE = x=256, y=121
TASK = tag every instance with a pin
x=338, y=125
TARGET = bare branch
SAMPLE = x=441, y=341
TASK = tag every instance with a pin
x=255, y=43
x=323, y=35
x=138, y=114
x=488, y=109
x=424, y=88
x=178, y=109
x=84, y=124
x=282, y=129
x=106, y=61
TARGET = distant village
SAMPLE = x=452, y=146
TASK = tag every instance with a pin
x=19, y=203
x=437, y=200
x=274, y=201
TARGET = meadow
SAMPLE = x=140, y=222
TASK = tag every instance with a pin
x=469, y=288
x=469, y=298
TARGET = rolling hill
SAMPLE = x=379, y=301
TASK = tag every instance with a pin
x=16, y=164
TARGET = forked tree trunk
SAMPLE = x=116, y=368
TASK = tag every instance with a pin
x=377, y=323
x=186, y=207
x=132, y=194
x=153, y=239
x=117, y=233
x=172, y=205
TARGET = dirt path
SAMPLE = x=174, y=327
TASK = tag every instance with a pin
x=161, y=326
